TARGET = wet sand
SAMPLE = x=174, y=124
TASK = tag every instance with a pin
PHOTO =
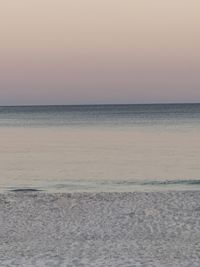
x=100, y=229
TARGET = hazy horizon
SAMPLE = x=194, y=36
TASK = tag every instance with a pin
x=104, y=104
x=92, y=52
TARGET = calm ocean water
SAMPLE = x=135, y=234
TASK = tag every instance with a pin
x=100, y=147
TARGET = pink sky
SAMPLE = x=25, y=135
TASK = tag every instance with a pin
x=92, y=51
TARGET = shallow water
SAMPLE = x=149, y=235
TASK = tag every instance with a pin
x=100, y=148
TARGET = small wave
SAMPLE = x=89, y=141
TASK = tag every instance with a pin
x=25, y=190
x=113, y=186
x=153, y=182
x=172, y=182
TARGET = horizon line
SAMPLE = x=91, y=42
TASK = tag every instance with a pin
x=103, y=104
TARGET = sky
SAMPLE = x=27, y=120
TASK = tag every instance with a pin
x=99, y=51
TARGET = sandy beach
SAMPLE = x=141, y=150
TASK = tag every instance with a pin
x=100, y=229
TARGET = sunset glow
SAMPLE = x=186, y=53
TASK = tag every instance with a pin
x=91, y=51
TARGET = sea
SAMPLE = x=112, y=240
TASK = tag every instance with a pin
x=100, y=148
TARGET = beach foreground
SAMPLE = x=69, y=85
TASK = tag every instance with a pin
x=100, y=229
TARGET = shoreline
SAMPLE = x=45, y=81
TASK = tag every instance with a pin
x=100, y=229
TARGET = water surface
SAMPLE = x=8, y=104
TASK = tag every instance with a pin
x=100, y=147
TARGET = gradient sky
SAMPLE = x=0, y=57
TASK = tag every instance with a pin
x=99, y=51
